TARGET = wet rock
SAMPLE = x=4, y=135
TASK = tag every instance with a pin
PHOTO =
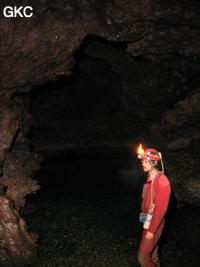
x=16, y=242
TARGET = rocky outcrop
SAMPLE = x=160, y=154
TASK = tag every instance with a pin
x=18, y=164
x=16, y=242
x=151, y=48
x=180, y=128
x=42, y=47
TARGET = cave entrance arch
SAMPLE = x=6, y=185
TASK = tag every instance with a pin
x=90, y=106
x=85, y=110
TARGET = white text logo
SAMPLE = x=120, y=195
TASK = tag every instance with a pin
x=13, y=12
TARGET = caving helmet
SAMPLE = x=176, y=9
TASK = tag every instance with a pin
x=149, y=154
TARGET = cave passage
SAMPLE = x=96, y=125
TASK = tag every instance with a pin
x=89, y=107
x=78, y=76
x=87, y=128
x=87, y=213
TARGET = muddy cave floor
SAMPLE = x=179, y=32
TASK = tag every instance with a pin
x=87, y=215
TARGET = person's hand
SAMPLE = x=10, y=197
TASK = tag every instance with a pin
x=149, y=235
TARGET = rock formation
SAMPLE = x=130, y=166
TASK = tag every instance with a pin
x=151, y=51
x=16, y=243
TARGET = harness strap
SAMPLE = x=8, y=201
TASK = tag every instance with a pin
x=152, y=182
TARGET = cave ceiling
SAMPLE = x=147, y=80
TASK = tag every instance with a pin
x=42, y=47
x=150, y=49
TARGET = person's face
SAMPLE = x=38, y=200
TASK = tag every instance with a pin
x=146, y=164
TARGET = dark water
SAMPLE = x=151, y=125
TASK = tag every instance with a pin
x=87, y=214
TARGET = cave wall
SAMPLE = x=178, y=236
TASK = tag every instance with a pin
x=162, y=35
x=80, y=116
x=158, y=72
x=18, y=165
x=42, y=47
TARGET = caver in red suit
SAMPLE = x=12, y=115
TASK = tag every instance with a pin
x=160, y=192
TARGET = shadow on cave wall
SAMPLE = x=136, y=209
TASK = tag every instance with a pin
x=88, y=107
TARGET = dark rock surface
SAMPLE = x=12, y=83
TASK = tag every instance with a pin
x=158, y=71
x=124, y=72
x=89, y=230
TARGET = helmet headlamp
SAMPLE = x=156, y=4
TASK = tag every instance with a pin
x=148, y=154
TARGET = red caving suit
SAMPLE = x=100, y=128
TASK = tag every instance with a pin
x=148, y=250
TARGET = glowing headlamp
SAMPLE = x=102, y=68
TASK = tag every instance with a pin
x=140, y=151
x=148, y=154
